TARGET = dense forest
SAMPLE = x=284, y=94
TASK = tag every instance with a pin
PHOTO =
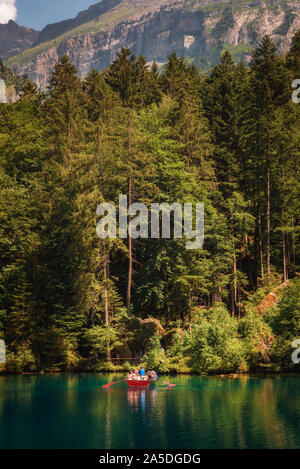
x=229, y=139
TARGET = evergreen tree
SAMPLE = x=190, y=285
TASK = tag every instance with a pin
x=270, y=86
x=131, y=78
x=65, y=111
x=293, y=56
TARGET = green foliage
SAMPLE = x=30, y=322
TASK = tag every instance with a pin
x=228, y=139
x=22, y=360
x=98, y=338
x=215, y=346
x=285, y=322
x=258, y=338
x=155, y=358
x=131, y=78
x=293, y=56
x=51, y=348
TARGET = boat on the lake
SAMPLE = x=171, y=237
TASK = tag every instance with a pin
x=140, y=383
x=139, y=379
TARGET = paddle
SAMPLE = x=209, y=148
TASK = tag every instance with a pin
x=110, y=384
x=170, y=385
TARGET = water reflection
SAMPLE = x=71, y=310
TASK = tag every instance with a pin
x=74, y=411
x=140, y=399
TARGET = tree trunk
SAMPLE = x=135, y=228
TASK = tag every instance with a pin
x=261, y=247
x=284, y=257
x=268, y=223
x=293, y=246
x=232, y=302
x=288, y=256
x=106, y=308
x=129, y=286
x=105, y=296
x=105, y=254
x=234, y=295
x=130, y=253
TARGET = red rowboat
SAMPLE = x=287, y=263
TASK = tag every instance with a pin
x=139, y=383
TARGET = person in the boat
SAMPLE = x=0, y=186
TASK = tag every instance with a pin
x=133, y=374
x=152, y=375
x=142, y=373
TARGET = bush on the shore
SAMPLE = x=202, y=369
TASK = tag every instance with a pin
x=155, y=358
x=257, y=338
x=20, y=361
x=214, y=345
x=285, y=323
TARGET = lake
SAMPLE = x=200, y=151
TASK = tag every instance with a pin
x=73, y=411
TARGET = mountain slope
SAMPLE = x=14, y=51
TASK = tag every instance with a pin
x=52, y=31
x=196, y=29
x=14, y=39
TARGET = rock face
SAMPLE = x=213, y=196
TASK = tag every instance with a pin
x=197, y=29
x=14, y=39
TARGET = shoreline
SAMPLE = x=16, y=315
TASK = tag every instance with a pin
x=104, y=372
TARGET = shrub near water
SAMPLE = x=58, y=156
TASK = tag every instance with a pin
x=257, y=338
x=155, y=358
x=214, y=343
x=285, y=323
x=211, y=345
x=21, y=361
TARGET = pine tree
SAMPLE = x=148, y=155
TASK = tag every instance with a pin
x=270, y=86
x=293, y=56
x=225, y=100
x=131, y=78
x=178, y=75
x=65, y=111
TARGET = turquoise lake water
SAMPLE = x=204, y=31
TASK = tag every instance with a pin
x=73, y=411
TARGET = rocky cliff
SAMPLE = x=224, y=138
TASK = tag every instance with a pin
x=14, y=39
x=197, y=29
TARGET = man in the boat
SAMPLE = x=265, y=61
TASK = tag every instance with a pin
x=142, y=373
